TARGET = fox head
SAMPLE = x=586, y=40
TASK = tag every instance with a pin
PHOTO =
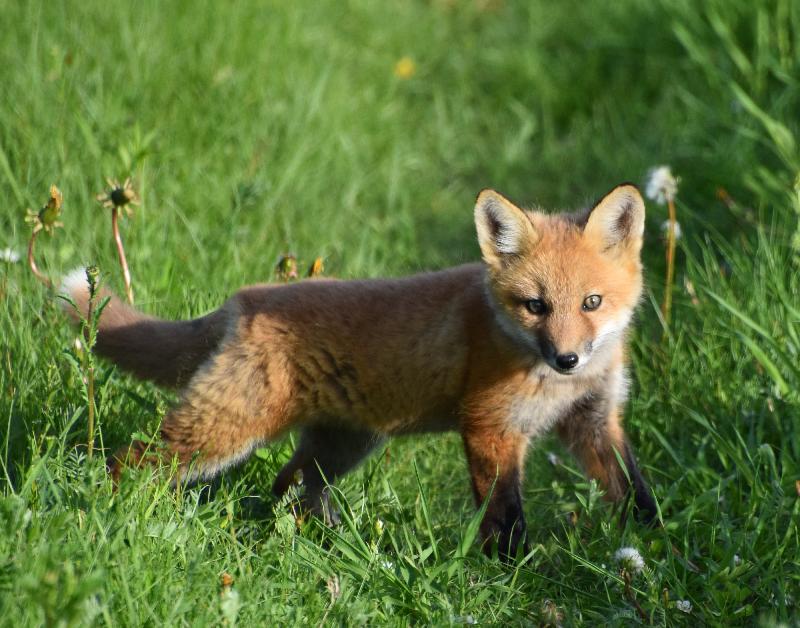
x=564, y=286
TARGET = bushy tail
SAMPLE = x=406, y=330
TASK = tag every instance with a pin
x=166, y=352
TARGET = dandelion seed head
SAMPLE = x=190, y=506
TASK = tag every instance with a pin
x=630, y=559
x=665, y=229
x=662, y=186
x=469, y=620
x=9, y=255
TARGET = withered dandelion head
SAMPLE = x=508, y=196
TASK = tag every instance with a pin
x=119, y=195
x=405, y=68
x=287, y=267
x=551, y=614
x=316, y=268
x=226, y=580
x=46, y=219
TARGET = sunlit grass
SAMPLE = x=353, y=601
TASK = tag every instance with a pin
x=257, y=131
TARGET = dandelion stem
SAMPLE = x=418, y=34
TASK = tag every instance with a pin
x=666, y=307
x=121, y=252
x=32, y=262
x=632, y=597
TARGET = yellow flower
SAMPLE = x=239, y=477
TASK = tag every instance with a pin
x=405, y=68
x=316, y=268
x=119, y=195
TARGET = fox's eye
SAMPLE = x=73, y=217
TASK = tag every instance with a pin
x=536, y=306
x=592, y=302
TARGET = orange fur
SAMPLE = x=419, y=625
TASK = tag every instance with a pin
x=350, y=362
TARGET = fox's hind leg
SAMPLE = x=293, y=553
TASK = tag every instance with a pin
x=593, y=433
x=325, y=453
x=232, y=404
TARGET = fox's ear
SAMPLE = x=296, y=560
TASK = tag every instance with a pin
x=617, y=220
x=503, y=228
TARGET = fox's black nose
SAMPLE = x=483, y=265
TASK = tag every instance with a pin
x=567, y=360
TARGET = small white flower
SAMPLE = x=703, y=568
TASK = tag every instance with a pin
x=665, y=229
x=9, y=256
x=737, y=560
x=684, y=606
x=662, y=186
x=630, y=560
x=230, y=604
x=387, y=564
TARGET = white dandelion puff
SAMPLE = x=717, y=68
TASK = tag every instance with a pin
x=685, y=606
x=662, y=186
x=630, y=559
x=678, y=231
x=9, y=256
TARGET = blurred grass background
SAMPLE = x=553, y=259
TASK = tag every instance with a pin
x=258, y=128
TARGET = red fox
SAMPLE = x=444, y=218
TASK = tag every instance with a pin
x=531, y=339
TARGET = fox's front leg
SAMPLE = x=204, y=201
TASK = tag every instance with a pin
x=495, y=459
x=593, y=433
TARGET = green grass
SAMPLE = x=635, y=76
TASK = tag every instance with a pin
x=257, y=128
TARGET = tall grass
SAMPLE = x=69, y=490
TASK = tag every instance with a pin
x=257, y=129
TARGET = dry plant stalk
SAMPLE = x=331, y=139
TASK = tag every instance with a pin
x=662, y=187
x=120, y=196
x=666, y=306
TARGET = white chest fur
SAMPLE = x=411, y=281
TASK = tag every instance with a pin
x=542, y=401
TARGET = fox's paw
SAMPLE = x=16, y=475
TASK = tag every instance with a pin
x=322, y=507
x=131, y=456
x=509, y=541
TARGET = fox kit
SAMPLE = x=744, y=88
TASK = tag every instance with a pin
x=531, y=339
